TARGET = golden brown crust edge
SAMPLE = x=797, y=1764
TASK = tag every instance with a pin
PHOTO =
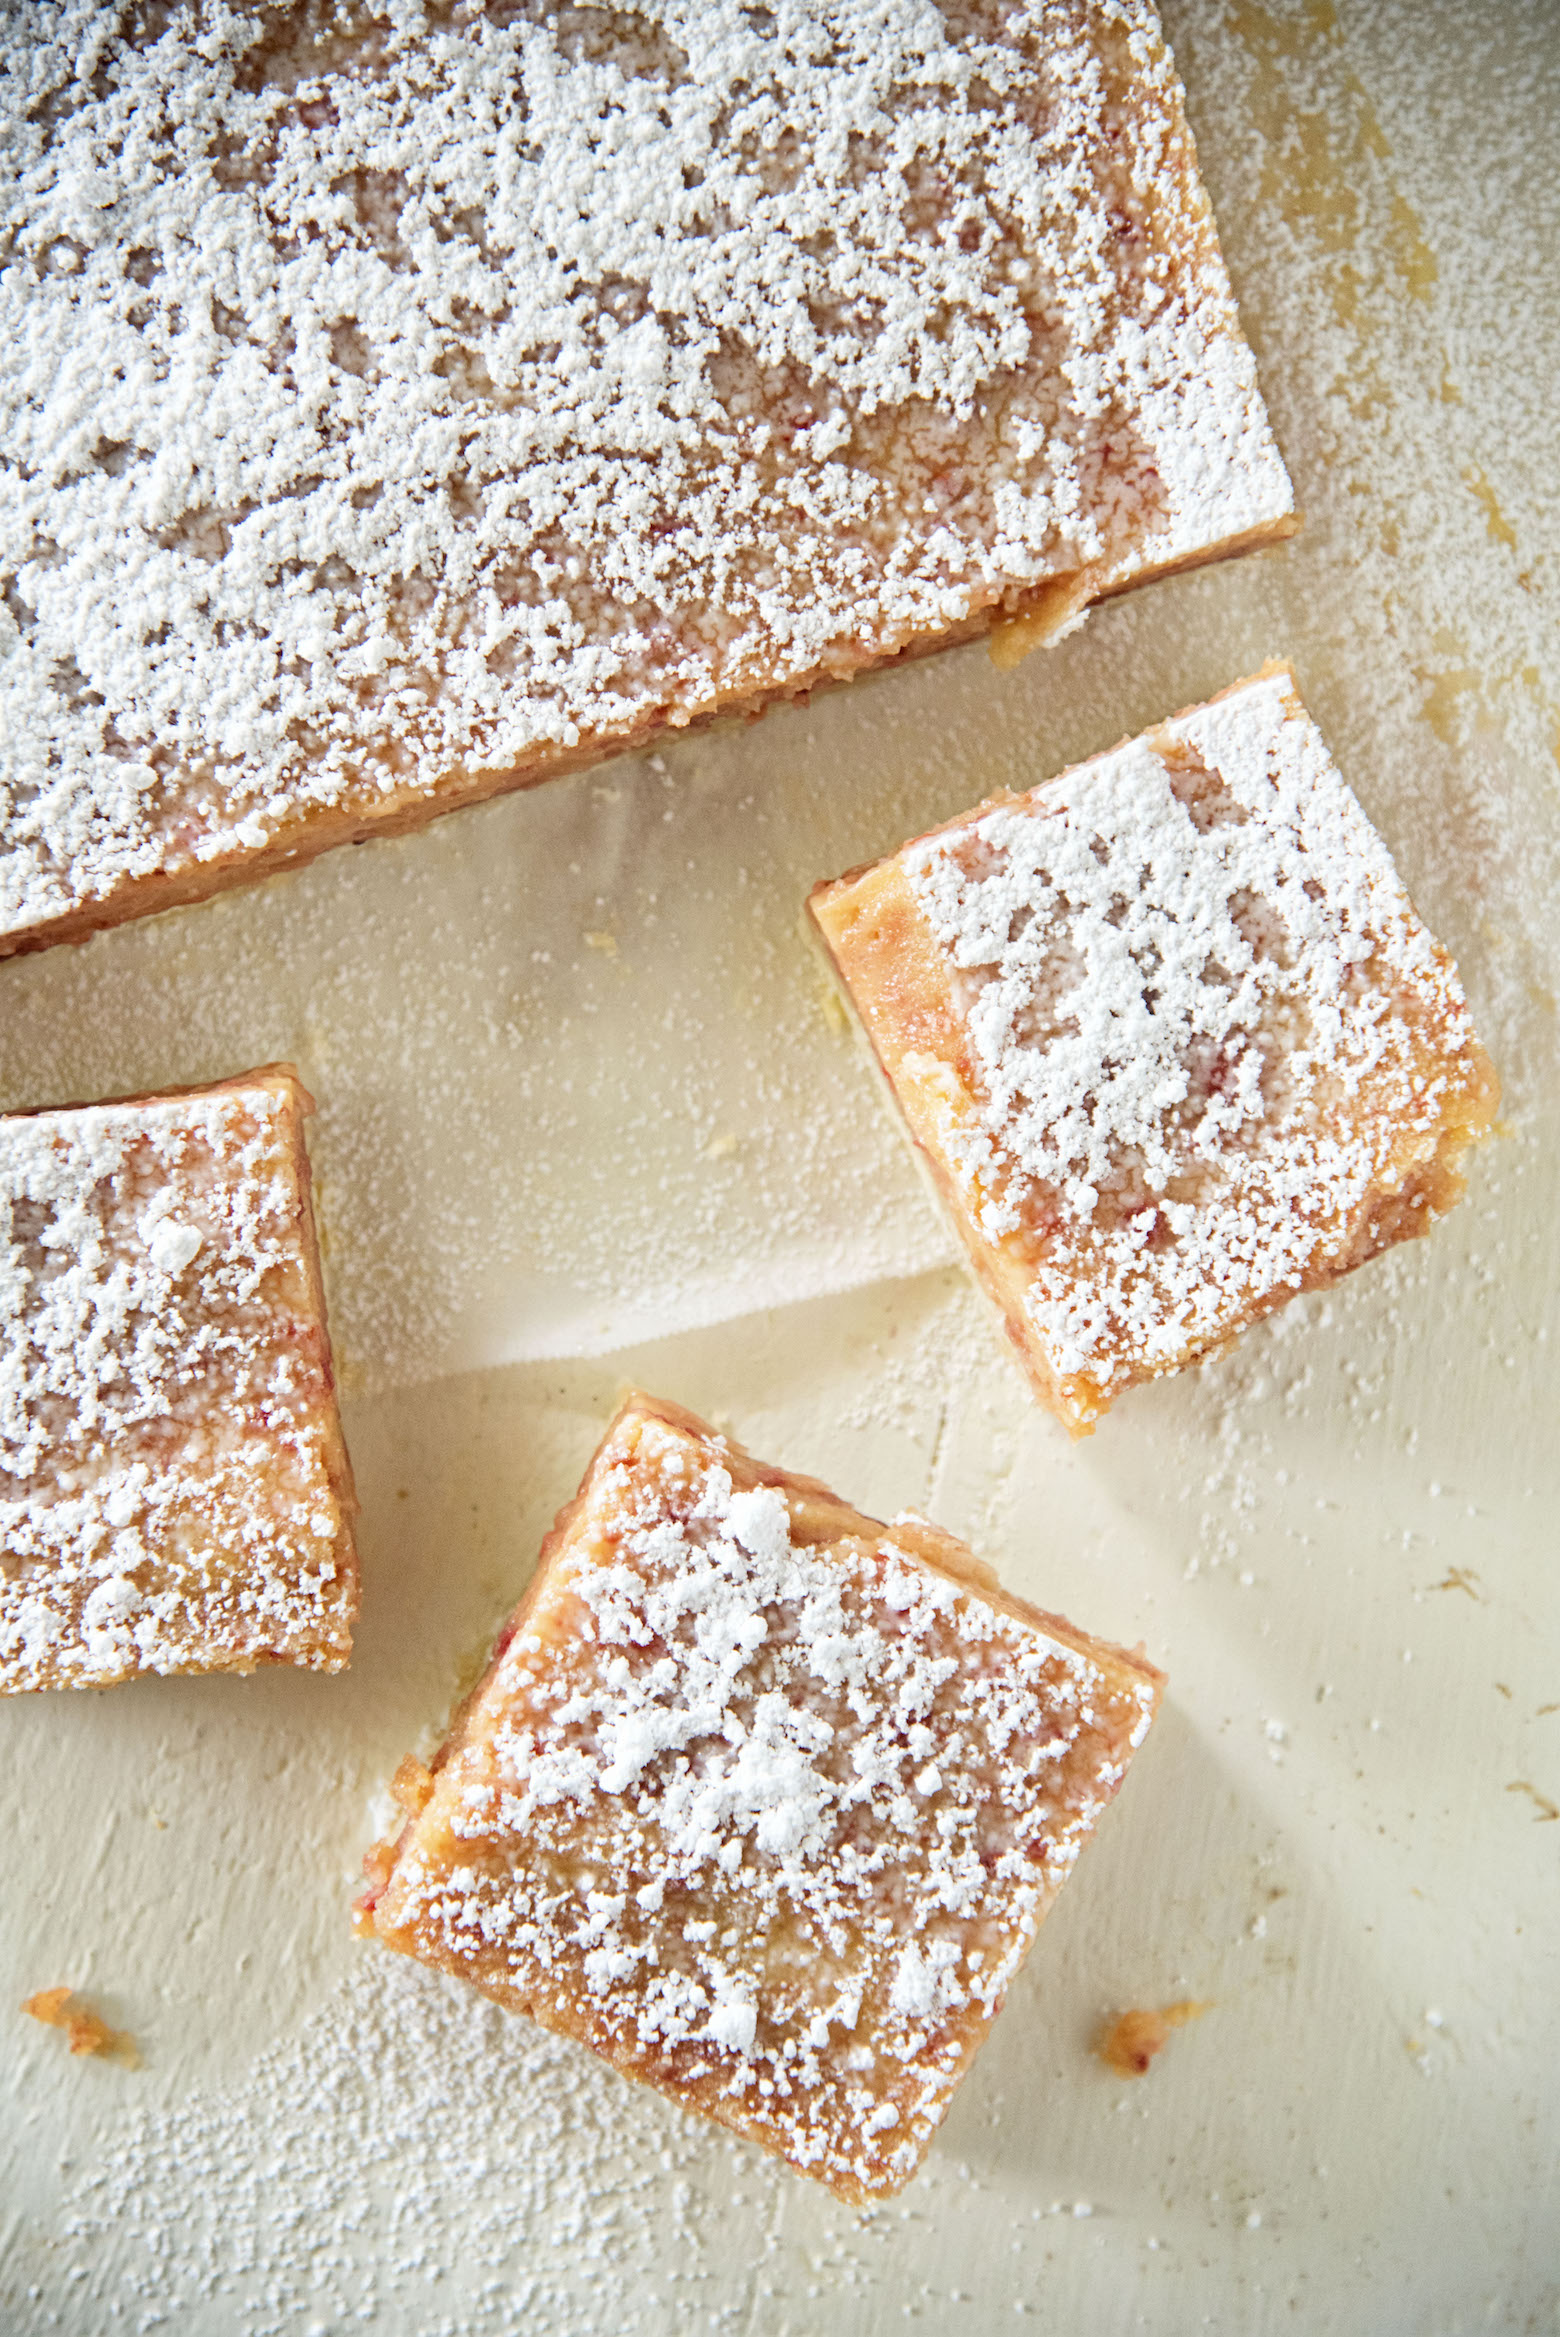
x=282, y=1078
x=1000, y=1278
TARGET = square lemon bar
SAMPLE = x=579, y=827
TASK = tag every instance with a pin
x=1170, y=1037
x=760, y=1798
x=175, y=1495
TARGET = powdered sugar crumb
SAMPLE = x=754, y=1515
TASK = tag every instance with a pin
x=499, y=2170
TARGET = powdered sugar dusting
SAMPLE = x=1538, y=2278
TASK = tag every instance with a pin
x=495, y=2171
x=171, y=1489
x=386, y=405
x=1204, y=1017
x=769, y=1812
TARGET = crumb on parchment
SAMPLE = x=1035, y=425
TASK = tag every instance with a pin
x=85, y=2031
x=1132, y=2040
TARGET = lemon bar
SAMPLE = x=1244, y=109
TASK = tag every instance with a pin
x=175, y=1495
x=1170, y=1037
x=761, y=1799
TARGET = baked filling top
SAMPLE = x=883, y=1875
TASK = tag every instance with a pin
x=395, y=393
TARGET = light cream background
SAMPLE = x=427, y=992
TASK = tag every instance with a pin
x=586, y=1114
